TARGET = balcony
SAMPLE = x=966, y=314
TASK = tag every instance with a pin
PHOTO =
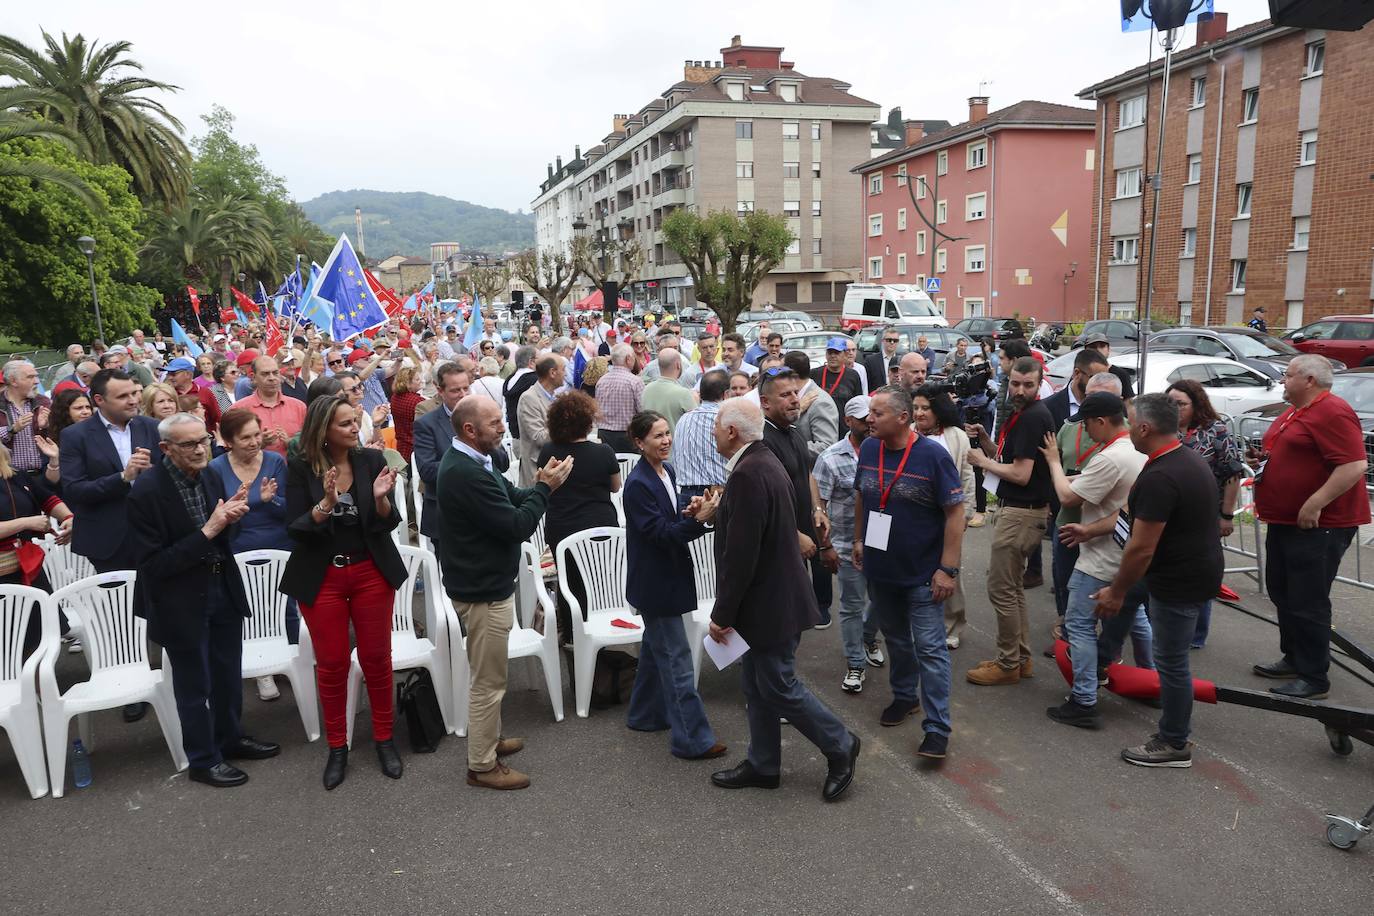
x=671, y=159
x=670, y=195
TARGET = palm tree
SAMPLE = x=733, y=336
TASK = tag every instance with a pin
x=207, y=236
x=297, y=234
x=15, y=125
x=110, y=114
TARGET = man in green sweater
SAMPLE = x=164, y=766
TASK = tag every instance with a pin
x=483, y=520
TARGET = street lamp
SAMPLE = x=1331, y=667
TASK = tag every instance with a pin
x=87, y=245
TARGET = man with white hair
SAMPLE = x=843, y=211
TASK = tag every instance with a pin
x=1307, y=488
x=533, y=410
x=619, y=394
x=763, y=593
x=75, y=354
x=190, y=591
x=25, y=416
x=687, y=374
x=664, y=394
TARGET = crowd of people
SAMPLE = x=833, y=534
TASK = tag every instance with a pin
x=867, y=472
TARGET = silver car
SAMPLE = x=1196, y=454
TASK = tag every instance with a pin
x=812, y=343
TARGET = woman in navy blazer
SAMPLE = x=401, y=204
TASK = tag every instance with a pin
x=659, y=585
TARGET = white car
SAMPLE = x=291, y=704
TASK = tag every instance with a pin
x=1231, y=387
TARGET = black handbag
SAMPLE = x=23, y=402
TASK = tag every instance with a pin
x=418, y=706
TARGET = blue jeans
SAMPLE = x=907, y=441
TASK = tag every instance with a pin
x=858, y=624
x=664, y=695
x=1204, y=625
x=1143, y=639
x=1063, y=559
x=768, y=679
x=1080, y=627
x=1174, y=625
x=685, y=493
x=913, y=625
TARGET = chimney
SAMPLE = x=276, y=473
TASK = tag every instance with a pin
x=736, y=41
x=617, y=123
x=1210, y=30
x=914, y=131
x=550, y=169
x=977, y=108
x=699, y=71
x=559, y=160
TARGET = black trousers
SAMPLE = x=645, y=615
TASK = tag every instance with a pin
x=122, y=558
x=207, y=679
x=1302, y=564
x=619, y=440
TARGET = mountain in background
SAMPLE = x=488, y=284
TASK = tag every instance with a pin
x=396, y=222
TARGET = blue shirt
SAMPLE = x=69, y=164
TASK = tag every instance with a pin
x=929, y=482
x=695, y=459
x=264, y=527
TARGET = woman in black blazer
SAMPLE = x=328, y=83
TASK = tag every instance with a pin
x=345, y=568
x=659, y=584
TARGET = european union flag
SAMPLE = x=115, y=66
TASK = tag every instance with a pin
x=342, y=282
x=474, y=335
x=1166, y=14
x=317, y=310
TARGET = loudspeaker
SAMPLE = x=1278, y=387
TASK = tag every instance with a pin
x=517, y=298
x=610, y=295
x=1341, y=15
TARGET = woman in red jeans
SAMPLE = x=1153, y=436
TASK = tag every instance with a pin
x=345, y=568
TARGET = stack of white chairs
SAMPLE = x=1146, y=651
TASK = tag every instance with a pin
x=704, y=573
x=117, y=649
x=63, y=567
x=266, y=650
x=432, y=651
x=19, y=711
x=600, y=557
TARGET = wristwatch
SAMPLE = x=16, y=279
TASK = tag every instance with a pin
x=951, y=571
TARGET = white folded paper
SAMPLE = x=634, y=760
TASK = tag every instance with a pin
x=726, y=653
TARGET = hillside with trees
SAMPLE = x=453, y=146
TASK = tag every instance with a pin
x=407, y=222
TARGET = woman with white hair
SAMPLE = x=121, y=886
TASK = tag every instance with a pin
x=489, y=382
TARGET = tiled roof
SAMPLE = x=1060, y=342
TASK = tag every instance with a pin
x=1021, y=114
x=1185, y=57
x=812, y=90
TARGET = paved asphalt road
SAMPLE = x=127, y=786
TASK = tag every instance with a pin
x=1026, y=816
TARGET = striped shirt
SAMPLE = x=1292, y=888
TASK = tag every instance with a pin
x=695, y=458
x=618, y=393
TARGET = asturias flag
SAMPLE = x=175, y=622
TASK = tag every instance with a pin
x=474, y=335
x=180, y=336
x=195, y=301
x=343, y=283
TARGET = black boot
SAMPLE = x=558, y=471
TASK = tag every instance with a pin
x=335, y=767
x=389, y=758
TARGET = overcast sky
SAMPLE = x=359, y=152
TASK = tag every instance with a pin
x=471, y=100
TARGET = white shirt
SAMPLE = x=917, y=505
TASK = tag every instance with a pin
x=668, y=485
x=123, y=438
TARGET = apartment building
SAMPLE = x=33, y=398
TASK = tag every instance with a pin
x=1266, y=196
x=747, y=132
x=998, y=208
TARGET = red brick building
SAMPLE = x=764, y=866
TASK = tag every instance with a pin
x=1012, y=188
x=1266, y=191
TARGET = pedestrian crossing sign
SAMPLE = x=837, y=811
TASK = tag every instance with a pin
x=933, y=285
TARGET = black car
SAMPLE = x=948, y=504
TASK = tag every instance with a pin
x=1257, y=350
x=869, y=340
x=1354, y=386
x=1119, y=331
x=994, y=329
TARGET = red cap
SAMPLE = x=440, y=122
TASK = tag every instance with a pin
x=246, y=357
x=358, y=355
x=610, y=334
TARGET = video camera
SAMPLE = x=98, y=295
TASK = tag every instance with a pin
x=965, y=383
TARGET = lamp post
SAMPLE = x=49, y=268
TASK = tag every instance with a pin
x=87, y=245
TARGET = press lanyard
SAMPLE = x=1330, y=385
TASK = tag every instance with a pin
x=1082, y=456
x=1006, y=431
x=838, y=378
x=1161, y=452
x=1294, y=413
x=884, y=493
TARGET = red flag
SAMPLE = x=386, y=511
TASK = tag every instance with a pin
x=245, y=302
x=389, y=301
x=274, y=340
x=195, y=301
x=226, y=316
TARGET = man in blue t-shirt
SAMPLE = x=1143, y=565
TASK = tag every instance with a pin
x=908, y=531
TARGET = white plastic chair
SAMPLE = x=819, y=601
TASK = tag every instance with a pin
x=19, y=715
x=117, y=649
x=627, y=464
x=409, y=650
x=618, y=500
x=525, y=640
x=704, y=573
x=63, y=567
x=600, y=557
x=266, y=649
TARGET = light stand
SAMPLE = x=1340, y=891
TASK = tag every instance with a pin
x=87, y=245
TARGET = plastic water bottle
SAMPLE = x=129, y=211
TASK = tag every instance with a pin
x=81, y=765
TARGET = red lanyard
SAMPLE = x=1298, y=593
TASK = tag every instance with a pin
x=1161, y=452
x=838, y=378
x=1082, y=456
x=884, y=493
x=1006, y=431
x=1293, y=414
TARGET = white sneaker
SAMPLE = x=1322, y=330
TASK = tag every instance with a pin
x=874, y=654
x=267, y=688
x=853, y=681
x=952, y=642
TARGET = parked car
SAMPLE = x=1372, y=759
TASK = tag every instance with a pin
x=753, y=315
x=1231, y=387
x=1119, y=331
x=1348, y=338
x=877, y=303
x=995, y=329
x=1245, y=345
x=784, y=326
x=812, y=343
x=941, y=340
x=1354, y=386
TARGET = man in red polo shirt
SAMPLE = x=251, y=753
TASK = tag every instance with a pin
x=180, y=373
x=281, y=417
x=1308, y=488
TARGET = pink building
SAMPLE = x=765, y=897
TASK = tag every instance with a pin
x=998, y=208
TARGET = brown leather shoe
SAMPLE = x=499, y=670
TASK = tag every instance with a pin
x=1026, y=670
x=507, y=746
x=498, y=777
x=711, y=753
x=994, y=676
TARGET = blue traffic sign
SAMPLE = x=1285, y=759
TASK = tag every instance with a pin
x=933, y=285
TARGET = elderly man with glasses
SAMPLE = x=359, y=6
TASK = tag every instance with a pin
x=189, y=590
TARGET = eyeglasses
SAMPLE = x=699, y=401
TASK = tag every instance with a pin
x=336, y=362
x=192, y=445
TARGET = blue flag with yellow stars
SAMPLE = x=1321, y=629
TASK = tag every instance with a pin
x=342, y=282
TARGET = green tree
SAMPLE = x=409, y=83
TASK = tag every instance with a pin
x=107, y=108
x=487, y=281
x=45, y=291
x=727, y=256
x=212, y=238
x=16, y=123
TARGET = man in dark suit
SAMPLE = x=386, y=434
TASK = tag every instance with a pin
x=1064, y=402
x=190, y=591
x=875, y=364
x=764, y=593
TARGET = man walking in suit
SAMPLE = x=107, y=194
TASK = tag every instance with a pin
x=190, y=591
x=763, y=593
